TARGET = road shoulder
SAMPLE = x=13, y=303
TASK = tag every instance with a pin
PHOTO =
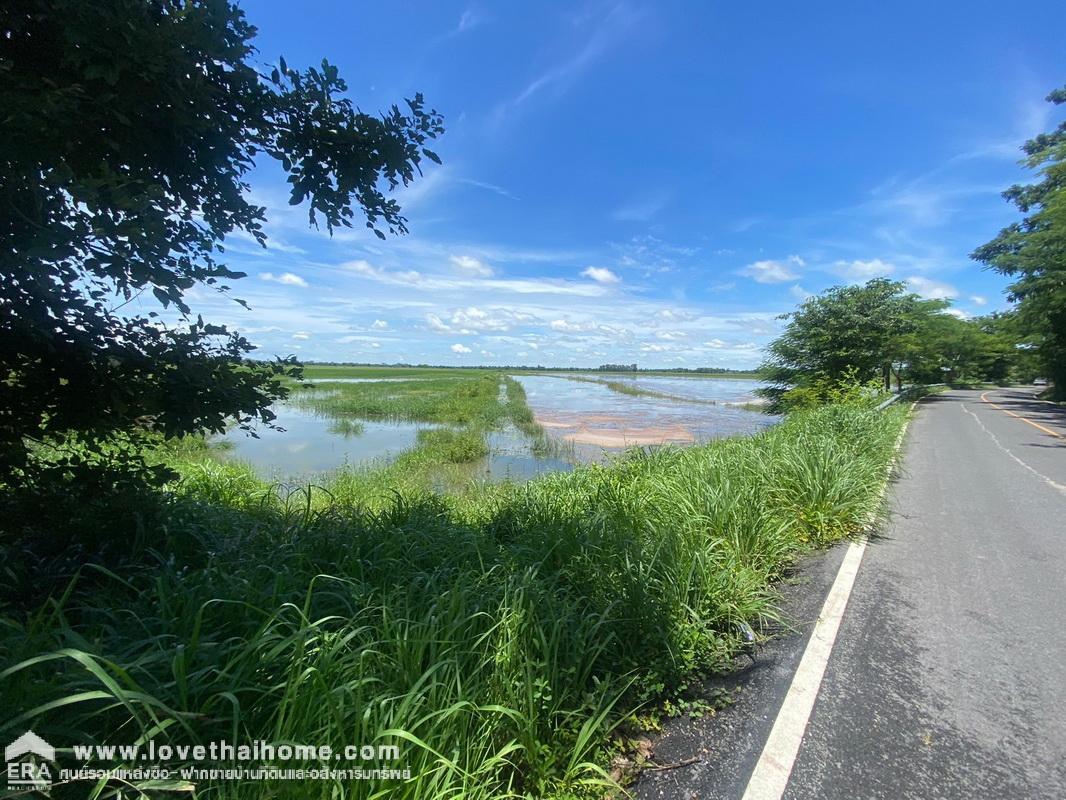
x=728, y=744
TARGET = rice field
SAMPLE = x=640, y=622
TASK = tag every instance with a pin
x=496, y=636
x=362, y=417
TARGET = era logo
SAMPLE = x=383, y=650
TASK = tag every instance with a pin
x=29, y=774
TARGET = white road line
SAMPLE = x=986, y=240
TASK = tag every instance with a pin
x=1054, y=485
x=770, y=776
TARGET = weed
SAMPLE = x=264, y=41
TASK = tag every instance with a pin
x=496, y=636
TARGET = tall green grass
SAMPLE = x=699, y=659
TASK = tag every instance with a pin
x=495, y=636
x=327, y=371
x=463, y=400
x=470, y=405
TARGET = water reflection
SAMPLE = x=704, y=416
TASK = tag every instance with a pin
x=719, y=390
x=597, y=419
x=584, y=422
x=312, y=444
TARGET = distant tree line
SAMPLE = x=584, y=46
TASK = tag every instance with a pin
x=542, y=368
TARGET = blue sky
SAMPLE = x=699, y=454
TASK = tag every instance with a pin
x=650, y=181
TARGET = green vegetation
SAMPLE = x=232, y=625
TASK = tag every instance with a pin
x=459, y=400
x=346, y=427
x=326, y=372
x=466, y=406
x=875, y=333
x=496, y=633
x=1033, y=252
x=130, y=129
x=454, y=447
x=496, y=637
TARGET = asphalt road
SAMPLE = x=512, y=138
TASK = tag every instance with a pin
x=948, y=675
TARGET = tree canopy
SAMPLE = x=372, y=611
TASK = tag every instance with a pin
x=847, y=330
x=877, y=332
x=1033, y=250
x=129, y=129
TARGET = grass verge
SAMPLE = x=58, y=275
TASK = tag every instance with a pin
x=495, y=637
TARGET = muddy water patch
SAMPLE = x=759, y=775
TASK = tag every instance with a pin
x=599, y=420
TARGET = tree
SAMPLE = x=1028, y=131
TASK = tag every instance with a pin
x=129, y=128
x=1033, y=251
x=1018, y=358
x=845, y=333
x=947, y=349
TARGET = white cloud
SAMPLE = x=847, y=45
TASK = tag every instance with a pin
x=437, y=324
x=467, y=21
x=930, y=289
x=468, y=265
x=411, y=280
x=431, y=183
x=478, y=319
x=601, y=275
x=352, y=338
x=774, y=271
x=675, y=314
x=470, y=320
x=641, y=209
x=957, y=313
x=858, y=270
x=365, y=268
x=461, y=348
x=799, y=292
x=651, y=254
x=246, y=244
x=490, y=187
x=978, y=300
x=608, y=30
x=301, y=335
x=419, y=294
x=564, y=326
x=287, y=278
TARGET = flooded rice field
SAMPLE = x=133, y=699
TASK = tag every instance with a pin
x=310, y=444
x=584, y=418
x=598, y=419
